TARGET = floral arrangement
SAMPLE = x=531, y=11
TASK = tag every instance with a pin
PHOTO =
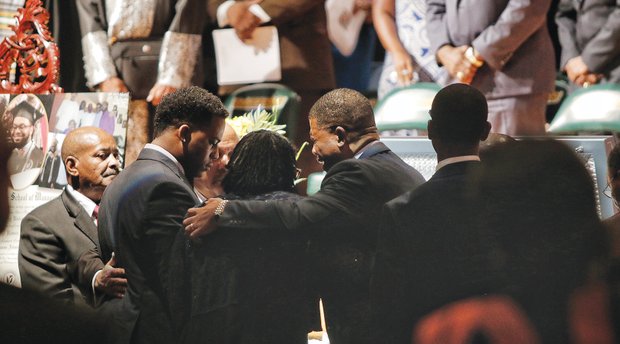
x=256, y=119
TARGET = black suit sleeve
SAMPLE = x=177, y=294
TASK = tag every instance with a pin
x=344, y=195
x=390, y=285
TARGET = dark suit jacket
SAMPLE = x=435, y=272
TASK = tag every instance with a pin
x=511, y=36
x=428, y=253
x=140, y=216
x=53, y=237
x=343, y=217
x=304, y=47
x=591, y=29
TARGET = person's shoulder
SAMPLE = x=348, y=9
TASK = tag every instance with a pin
x=52, y=208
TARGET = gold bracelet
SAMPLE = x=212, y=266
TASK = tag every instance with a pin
x=219, y=210
x=470, y=55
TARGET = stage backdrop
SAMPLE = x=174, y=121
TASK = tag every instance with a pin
x=36, y=126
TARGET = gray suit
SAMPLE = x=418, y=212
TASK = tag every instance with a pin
x=591, y=29
x=512, y=37
x=53, y=237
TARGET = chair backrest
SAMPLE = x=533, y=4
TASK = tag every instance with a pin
x=557, y=97
x=406, y=107
x=596, y=108
x=269, y=96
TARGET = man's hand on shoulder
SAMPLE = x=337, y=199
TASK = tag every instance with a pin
x=111, y=280
x=203, y=220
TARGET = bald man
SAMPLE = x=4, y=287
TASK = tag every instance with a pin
x=209, y=183
x=55, y=235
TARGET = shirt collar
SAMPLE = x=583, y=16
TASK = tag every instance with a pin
x=167, y=154
x=455, y=159
x=85, y=202
x=365, y=148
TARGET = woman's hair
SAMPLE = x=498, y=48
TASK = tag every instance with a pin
x=263, y=161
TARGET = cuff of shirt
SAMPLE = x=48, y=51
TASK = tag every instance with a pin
x=92, y=283
x=222, y=13
x=260, y=13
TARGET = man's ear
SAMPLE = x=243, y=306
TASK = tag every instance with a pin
x=486, y=131
x=71, y=163
x=430, y=129
x=341, y=133
x=184, y=133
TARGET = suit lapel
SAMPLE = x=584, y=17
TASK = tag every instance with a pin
x=82, y=220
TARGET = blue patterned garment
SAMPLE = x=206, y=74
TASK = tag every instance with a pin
x=411, y=28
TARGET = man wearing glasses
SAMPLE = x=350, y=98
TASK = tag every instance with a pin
x=26, y=154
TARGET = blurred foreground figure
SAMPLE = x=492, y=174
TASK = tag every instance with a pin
x=546, y=249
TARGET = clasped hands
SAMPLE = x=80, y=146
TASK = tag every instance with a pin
x=456, y=62
x=202, y=220
x=242, y=19
x=579, y=73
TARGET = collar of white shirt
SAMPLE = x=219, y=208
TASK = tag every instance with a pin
x=455, y=159
x=166, y=153
x=85, y=202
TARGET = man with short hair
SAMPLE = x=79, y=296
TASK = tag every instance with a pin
x=142, y=213
x=426, y=254
x=26, y=154
x=55, y=235
x=362, y=174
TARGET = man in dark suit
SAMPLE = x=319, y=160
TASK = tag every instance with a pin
x=589, y=32
x=55, y=235
x=427, y=254
x=503, y=48
x=362, y=174
x=142, y=213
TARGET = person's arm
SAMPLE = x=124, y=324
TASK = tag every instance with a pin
x=383, y=15
x=282, y=12
x=180, y=49
x=42, y=260
x=446, y=54
x=99, y=68
x=344, y=194
x=604, y=48
x=518, y=21
x=565, y=18
x=97, y=280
